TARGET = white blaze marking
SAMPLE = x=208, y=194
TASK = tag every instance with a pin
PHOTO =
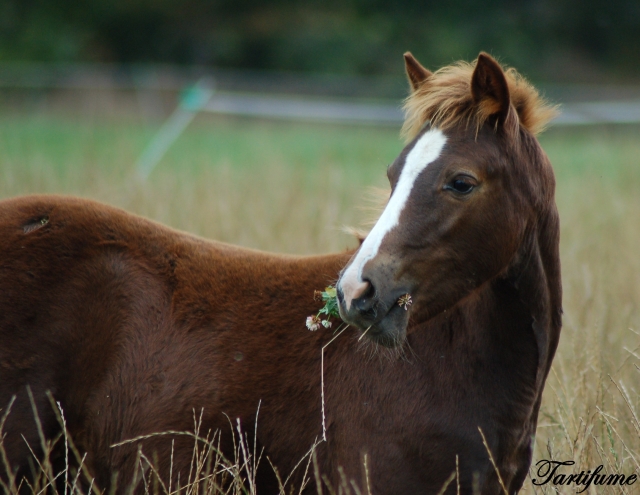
x=426, y=150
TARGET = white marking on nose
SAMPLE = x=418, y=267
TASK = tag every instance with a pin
x=352, y=288
x=426, y=150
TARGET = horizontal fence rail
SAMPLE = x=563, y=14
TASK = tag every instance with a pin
x=599, y=112
x=307, y=110
x=317, y=97
x=619, y=112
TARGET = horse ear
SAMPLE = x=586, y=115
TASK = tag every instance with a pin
x=489, y=87
x=416, y=73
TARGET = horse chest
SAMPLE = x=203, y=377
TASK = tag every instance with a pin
x=416, y=415
x=406, y=425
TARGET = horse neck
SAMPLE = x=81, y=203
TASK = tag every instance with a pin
x=512, y=320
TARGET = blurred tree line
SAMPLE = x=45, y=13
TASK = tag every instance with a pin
x=570, y=40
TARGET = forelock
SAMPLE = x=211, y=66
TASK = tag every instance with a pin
x=445, y=100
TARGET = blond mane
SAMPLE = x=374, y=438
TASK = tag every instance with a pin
x=445, y=100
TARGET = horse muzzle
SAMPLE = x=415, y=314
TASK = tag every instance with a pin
x=374, y=311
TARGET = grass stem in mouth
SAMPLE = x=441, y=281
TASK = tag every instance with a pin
x=364, y=333
x=339, y=331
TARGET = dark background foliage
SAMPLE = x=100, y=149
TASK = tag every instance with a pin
x=557, y=40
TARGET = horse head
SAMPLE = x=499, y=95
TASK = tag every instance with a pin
x=466, y=194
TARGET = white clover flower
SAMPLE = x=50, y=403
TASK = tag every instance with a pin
x=326, y=323
x=405, y=301
x=313, y=323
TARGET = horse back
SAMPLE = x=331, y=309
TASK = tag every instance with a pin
x=132, y=326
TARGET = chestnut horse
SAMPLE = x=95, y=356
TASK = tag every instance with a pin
x=131, y=326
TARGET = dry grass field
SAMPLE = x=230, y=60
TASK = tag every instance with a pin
x=292, y=187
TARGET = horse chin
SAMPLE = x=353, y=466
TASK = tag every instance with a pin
x=391, y=330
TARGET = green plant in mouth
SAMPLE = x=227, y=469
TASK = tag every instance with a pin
x=330, y=309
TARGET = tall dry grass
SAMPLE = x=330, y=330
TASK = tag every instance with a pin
x=291, y=188
x=591, y=408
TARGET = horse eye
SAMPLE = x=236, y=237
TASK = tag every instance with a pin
x=461, y=185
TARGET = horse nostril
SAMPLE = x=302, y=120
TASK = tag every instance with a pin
x=371, y=291
x=365, y=302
